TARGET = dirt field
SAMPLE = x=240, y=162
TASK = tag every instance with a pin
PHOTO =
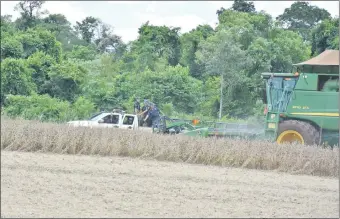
x=44, y=185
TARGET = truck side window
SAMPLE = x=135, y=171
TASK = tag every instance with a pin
x=128, y=120
x=107, y=119
x=115, y=119
x=111, y=119
x=328, y=83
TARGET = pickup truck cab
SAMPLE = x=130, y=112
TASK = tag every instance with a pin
x=111, y=120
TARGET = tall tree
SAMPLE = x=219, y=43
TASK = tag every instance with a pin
x=11, y=47
x=302, y=17
x=158, y=42
x=220, y=11
x=243, y=6
x=16, y=78
x=63, y=31
x=287, y=48
x=247, y=26
x=34, y=40
x=6, y=24
x=56, y=23
x=106, y=40
x=189, y=46
x=87, y=28
x=325, y=36
x=223, y=57
x=30, y=12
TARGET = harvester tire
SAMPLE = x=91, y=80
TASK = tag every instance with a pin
x=307, y=131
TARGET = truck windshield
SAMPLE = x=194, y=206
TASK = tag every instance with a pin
x=96, y=117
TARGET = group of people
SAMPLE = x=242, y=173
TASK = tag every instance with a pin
x=148, y=112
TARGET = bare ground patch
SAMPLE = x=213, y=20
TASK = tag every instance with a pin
x=49, y=185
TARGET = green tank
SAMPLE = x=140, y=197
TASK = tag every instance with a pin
x=303, y=107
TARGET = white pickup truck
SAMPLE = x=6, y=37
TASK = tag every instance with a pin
x=111, y=120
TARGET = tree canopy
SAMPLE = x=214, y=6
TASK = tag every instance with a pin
x=302, y=17
x=53, y=70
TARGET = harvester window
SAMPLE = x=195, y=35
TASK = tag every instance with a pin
x=328, y=83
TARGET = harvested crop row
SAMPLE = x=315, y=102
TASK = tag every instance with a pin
x=18, y=135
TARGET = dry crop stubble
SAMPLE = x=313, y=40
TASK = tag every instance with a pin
x=33, y=136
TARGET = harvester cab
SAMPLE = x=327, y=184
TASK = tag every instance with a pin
x=279, y=91
x=303, y=107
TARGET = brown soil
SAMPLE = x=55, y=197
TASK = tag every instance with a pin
x=50, y=185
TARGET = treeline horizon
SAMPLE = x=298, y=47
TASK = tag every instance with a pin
x=54, y=71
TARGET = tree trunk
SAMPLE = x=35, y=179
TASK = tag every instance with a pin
x=221, y=98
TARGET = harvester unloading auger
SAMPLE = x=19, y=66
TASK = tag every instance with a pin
x=301, y=107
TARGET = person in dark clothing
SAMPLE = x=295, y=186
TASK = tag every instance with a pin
x=144, y=112
x=137, y=106
x=146, y=106
x=154, y=116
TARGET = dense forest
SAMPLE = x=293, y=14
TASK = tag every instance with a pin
x=52, y=70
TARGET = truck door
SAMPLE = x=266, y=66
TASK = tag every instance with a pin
x=116, y=120
x=110, y=121
x=128, y=121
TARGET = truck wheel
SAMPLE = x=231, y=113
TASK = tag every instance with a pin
x=297, y=131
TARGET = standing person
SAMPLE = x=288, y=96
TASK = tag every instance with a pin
x=146, y=104
x=154, y=116
x=137, y=106
x=144, y=112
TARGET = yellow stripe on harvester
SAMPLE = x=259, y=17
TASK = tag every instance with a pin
x=317, y=114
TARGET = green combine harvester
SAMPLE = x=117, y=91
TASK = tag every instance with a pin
x=304, y=107
x=301, y=107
